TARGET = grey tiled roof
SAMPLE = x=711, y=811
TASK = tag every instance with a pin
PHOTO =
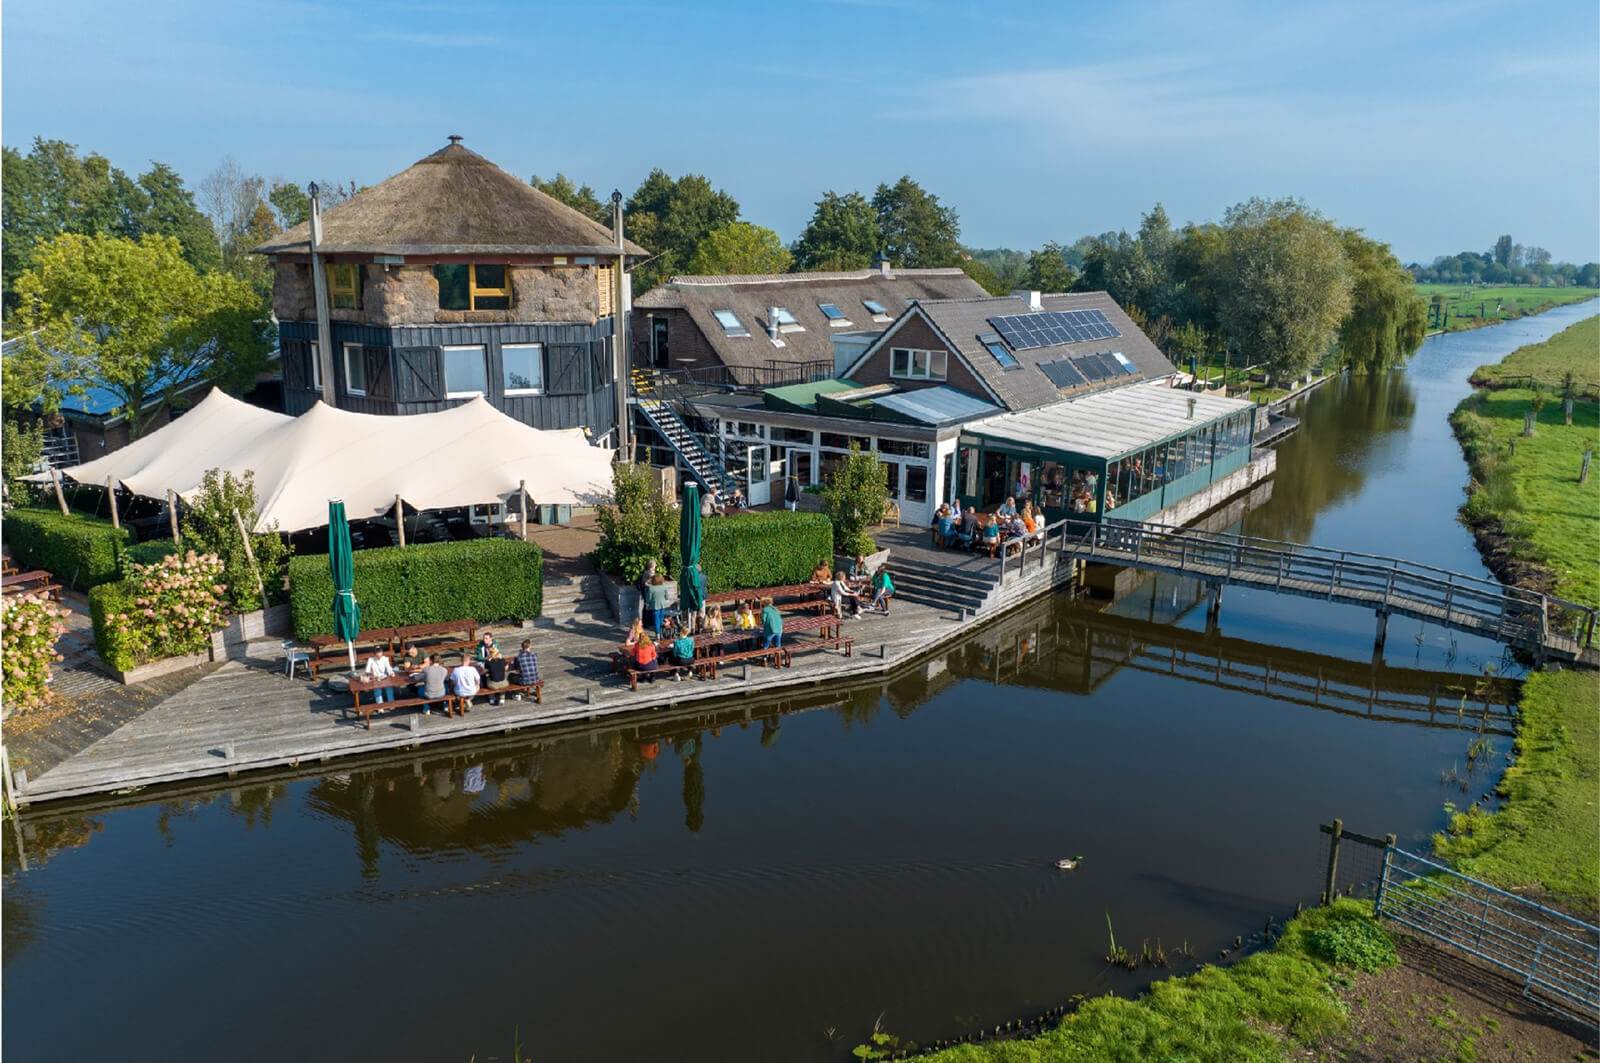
x=750, y=297
x=961, y=321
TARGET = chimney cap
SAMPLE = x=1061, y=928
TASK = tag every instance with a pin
x=455, y=138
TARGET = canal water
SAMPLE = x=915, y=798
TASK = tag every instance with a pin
x=724, y=888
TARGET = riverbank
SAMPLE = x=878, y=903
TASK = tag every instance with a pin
x=1467, y=307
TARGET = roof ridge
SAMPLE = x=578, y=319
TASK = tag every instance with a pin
x=708, y=280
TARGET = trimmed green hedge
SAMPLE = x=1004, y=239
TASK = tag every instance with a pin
x=487, y=580
x=109, y=599
x=78, y=550
x=763, y=549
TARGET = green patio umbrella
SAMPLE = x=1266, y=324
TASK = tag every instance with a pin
x=689, y=595
x=346, y=613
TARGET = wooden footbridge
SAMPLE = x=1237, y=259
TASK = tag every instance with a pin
x=1546, y=627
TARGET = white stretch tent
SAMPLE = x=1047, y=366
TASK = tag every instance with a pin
x=467, y=455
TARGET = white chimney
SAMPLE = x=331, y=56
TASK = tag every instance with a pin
x=772, y=323
x=1031, y=298
x=880, y=265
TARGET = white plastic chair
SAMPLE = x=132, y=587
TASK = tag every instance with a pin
x=293, y=655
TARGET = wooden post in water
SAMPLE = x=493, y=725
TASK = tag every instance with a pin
x=172, y=514
x=250, y=555
x=61, y=499
x=400, y=520
x=111, y=495
x=1330, y=891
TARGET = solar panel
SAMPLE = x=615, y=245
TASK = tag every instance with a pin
x=1127, y=366
x=1108, y=363
x=1090, y=366
x=1052, y=328
x=1062, y=374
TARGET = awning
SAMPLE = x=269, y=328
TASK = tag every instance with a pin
x=468, y=455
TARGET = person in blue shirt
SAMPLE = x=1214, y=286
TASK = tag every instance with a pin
x=771, y=625
x=883, y=589
x=683, y=648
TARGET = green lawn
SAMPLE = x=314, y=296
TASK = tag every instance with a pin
x=1470, y=307
x=1546, y=836
x=1575, y=350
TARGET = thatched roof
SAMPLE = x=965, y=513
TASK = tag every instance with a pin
x=452, y=202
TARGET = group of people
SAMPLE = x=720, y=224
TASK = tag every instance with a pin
x=965, y=527
x=712, y=503
x=674, y=645
x=847, y=586
x=484, y=668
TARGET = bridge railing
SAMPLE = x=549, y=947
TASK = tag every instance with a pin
x=1502, y=612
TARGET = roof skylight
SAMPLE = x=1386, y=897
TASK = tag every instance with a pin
x=995, y=346
x=831, y=312
x=730, y=323
x=874, y=306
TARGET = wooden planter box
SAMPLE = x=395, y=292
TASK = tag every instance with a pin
x=165, y=666
x=624, y=598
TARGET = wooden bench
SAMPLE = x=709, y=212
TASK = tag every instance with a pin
x=414, y=634
x=399, y=682
x=632, y=674
x=35, y=581
x=772, y=656
x=844, y=643
x=331, y=649
x=536, y=687
x=798, y=595
x=7, y=566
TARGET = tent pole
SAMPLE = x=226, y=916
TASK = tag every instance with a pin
x=111, y=494
x=172, y=514
x=522, y=504
x=250, y=554
x=400, y=520
x=61, y=499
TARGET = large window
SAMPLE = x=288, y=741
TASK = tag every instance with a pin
x=911, y=364
x=842, y=442
x=522, y=368
x=466, y=372
x=355, y=369
x=794, y=435
x=473, y=287
x=344, y=285
x=903, y=447
x=916, y=489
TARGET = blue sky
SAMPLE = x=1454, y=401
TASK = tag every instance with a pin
x=1433, y=126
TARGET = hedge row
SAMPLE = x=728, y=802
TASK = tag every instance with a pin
x=763, y=549
x=487, y=580
x=107, y=600
x=78, y=550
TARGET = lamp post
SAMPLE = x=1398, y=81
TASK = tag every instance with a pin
x=619, y=331
x=319, y=284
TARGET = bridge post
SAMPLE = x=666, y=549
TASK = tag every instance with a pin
x=1383, y=631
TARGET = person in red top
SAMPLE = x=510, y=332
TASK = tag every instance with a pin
x=644, y=654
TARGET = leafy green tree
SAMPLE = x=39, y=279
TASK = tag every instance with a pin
x=209, y=527
x=136, y=319
x=1502, y=250
x=1387, y=319
x=984, y=275
x=581, y=198
x=1048, y=270
x=169, y=210
x=841, y=235
x=1284, y=285
x=290, y=204
x=855, y=498
x=917, y=232
x=639, y=526
x=670, y=217
x=21, y=447
x=740, y=248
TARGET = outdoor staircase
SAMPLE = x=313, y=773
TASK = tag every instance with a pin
x=569, y=598
x=943, y=586
x=695, y=455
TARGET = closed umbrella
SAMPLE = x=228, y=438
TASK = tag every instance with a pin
x=346, y=613
x=689, y=548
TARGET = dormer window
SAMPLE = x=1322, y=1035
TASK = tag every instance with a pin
x=730, y=323
x=477, y=286
x=344, y=285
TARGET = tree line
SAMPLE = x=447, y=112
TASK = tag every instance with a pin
x=1507, y=262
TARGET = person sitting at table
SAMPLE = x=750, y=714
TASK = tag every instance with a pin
x=841, y=591
x=658, y=599
x=633, y=635
x=771, y=625
x=683, y=648
x=969, y=526
x=944, y=528
x=486, y=644
x=380, y=667
x=465, y=680
x=955, y=508
x=737, y=501
x=714, y=620
x=823, y=573
x=495, y=678
x=430, y=683
x=644, y=655
x=746, y=616
x=991, y=533
x=859, y=573
x=883, y=589
x=708, y=503
x=1008, y=508
x=527, y=666
x=410, y=661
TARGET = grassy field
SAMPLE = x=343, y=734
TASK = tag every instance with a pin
x=1575, y=350
x=1469, y=307
x=1545, y=838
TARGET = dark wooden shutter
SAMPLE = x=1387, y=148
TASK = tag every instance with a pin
x=418, y=374
x=380, y=382
x=565, y=371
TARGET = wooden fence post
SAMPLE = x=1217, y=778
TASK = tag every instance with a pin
x=1329, y=892
x=1583, y=470
x=61, y=499
x=250, y=555
x=172, y=514
x=111, y=496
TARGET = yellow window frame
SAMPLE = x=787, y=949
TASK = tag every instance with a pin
x=475, y=290
x=344, y=285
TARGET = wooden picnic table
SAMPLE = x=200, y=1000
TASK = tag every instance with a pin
x=412, y=635
x=330, y=649
x=33, y=581
x=803, y=591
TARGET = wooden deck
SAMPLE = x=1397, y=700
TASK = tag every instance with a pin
x=248, y=716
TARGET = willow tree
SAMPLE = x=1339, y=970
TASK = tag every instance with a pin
x=1387, y=319
x=1284, y=284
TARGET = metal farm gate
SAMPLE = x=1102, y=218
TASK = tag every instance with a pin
x=1556, y=956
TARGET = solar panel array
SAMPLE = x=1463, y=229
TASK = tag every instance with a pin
x=1084, y=369
x=1062, y=375
x=1052, y=328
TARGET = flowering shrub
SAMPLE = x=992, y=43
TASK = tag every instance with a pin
x=29, y=628
x=169, y=608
